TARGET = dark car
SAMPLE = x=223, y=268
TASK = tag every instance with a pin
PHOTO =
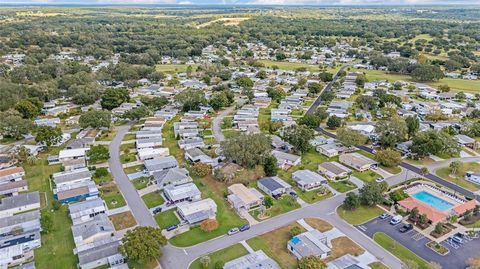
x=171, y=227
x=157, y=210
x=405, y=228
x=293, y=194
x=245, y=227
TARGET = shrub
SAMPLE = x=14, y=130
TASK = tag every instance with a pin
x=209, y=225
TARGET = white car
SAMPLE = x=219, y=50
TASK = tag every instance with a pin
x=233, y=231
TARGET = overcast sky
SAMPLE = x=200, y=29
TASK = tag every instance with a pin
x=250, y=2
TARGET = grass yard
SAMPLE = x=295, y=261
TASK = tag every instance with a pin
x=102, y=180
x=143, y=264
x=378, y=265
x=294, y=66
x=58, y=243
x=223, y=255
x=230, y=133
x=474, y=225
x=134, y=169
x=169, y=139
x=128, y=158
x=123, y=220
x=319, y=224
x=342, y=185
x=274, y=245
x=141, y=182
x=399, y=250
x=112, y=196
x=227, y=122
x=135, y=128
x=343, y=245
x=360, y=215
x=207, y=132
x=280, y=206
x=129, y=137
x=171, y=68
x=153, y=199
x=166, y=218
x=264, y=117
x=445, y=173
x=312, y=196
x=106, y=136
x=128, y=146
x=366, y=176
x=310, y=161
x=392, y=170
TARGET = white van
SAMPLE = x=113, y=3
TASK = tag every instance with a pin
x=396, y=220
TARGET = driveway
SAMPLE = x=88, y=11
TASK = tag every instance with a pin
x=217, y=124
x=181, y=258
x=416, y=243
x=139, y=209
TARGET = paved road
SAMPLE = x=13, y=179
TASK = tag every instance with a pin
x=139, y=210
x=327, y=88
x=217, y=124
x=180, y=258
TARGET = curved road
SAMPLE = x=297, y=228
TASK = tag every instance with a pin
x=217, y=124
x=136, y=204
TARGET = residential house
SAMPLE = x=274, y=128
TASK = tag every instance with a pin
x=347, y=261
x=12, y=181
x=191, y=142
x=70, y=154
x=243, y=198
x=73, y=164
x=179, y=193
x=160, y=164
x=26, y=222
x=85, y=211
x=18, y=248
x=72, y=176
x=310, y=243
x=334, y=170
x=97, y=228
x=255, y=260
x=308, y=180
x=274, y=186
x=151, y=153
x=466, y=141
x=52, y=122
x=358, y=162
x=198, y=211
x=148, y=142
x=173, y=176
x=286, y=160
x=331, y=149
x=279, y=144
x=101, y=253
x=68, y=193
x=19, y=203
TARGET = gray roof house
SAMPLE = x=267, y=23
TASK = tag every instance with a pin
x=334, y=170
x=174, y=176
x=29, y=221
x=274, y=186
x=310, y=243
x=357, y=161
x=308, y=180
x=99, y=227
x=197, y=211
x=160, y=164
x=73, y=176
x=286, y=160
x=101, y=253
x=19, y=203
x=197, y=155
x=255, y=260
x=84, y=211
x=347, y=261
x=185, y=192
x=465, y=140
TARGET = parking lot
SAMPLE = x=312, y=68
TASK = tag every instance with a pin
x=413, y=240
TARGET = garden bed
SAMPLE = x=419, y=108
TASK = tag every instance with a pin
x=438, y=248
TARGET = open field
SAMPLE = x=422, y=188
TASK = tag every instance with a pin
x=294, y=66
x=170, y=68
x=224, y=21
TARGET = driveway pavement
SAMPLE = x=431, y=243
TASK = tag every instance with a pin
x=181, y=258
x=416, y=243
x=217, y=124
x=139, y=209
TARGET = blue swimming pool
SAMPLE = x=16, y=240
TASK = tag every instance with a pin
x=432, y=200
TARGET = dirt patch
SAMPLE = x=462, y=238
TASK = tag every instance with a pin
x=319, y=224
x=226, y=22
x=123, y=220
x=343, y=245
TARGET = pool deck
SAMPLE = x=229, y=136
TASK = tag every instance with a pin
x=423, y=188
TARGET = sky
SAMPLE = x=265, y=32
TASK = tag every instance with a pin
x=248, y=2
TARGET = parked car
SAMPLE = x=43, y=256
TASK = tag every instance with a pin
x=405, y=228
x=244, y=227
x=396, y=220
x=293, y=194
x=457, y=239
x=171, y=227
x=157, y=210
x=380, y=179
x=233, y=231
x=384, y=216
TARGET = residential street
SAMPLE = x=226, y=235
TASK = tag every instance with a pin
x=139, y=210
x=174, y=257
x=217, y=124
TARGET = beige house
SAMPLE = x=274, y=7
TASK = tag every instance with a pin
x=358, y=162
x=241, y=197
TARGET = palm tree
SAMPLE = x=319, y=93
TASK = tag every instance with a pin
x=454, y=167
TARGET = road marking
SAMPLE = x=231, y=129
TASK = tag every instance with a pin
x=184, y=250
x=331, y=213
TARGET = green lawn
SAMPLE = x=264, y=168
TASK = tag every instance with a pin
x=141, y=182
x=128, y=158
x=230, y=133
x=378, y=265
x=312, y=196
x=366, y=176
x=108, y=136
x=264, y=117
x=310, y=161
x=129, y=146
x=153, y=199
x=133, y=169
x=280, y=206
x=458, y=179
x=342, y=185
x=399, y=250
x=294, y=66
x=392, y=170
x=112, y=196
x=227, y=122
x=166, y=218
x=101, y=180
x=223, y=255
x=171, y=68
x=129, y=137
x=360, y=215
x=59, y=243
x=207, y=132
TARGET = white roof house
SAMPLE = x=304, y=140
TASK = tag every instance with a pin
x=197, y=211
x=150, y=153
x=310, y=243
x=308, y=180
x=183, y=192
x=68, y=154
x=255, y=260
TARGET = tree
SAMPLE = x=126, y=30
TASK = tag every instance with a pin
x=360, y=80
x=454, y=167
x=98, y=153
x=113, y=98
x=48, y=135
x=154, y=103
x=137, y=113
x=95, y=119
x=205, y=261
x=444, y=88
x=326, y=77
x=143, y=243
x=310, y=120
x=350, y=137
x=391, y=131
x=262, y=74
x=299, y=137
x=209, y=225
x=275, y=94
x=388, y=157
x=295, y=230
x=247, y=149
x=426, y=73
x=311, y=262
x=439, y=228
x=424, y=171
x=244, y=82
x=434, y=142
x=352, y=201
x=14, y=125
x=270, y=166
x=366, y=102
x=314, y=87
x=46, y=222
x=190, y=99
x=268, y=202
x=221, y=99
x=321, y=113
x=334, y=122
x=413, y=125
x=27, y=109
x=372, y=193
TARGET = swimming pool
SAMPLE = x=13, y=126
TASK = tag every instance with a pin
x=433, y=200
